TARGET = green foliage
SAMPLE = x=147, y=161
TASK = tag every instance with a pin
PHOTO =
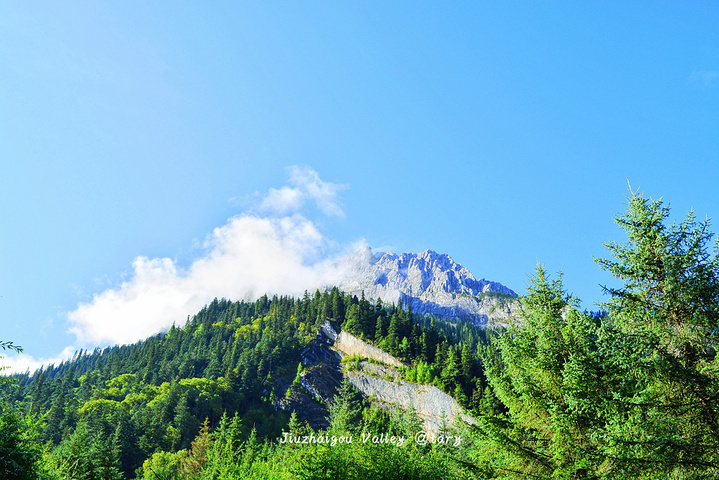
x=20, y=453
x=352, y=362
x=370, y=455
x=664, y=337
x=298, y=375
x=5, y=345
x=631, y=394
x=140, y=408
x=162, y=465
x=346, y=409
x=87, y=456
x=544, y=378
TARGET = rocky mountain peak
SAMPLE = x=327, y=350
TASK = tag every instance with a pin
x=428, y=281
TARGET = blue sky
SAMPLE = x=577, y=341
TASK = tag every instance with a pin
x=136, y=138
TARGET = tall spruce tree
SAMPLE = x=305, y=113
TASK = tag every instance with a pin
x=664, y=337
x=631, y=394
x=543, y=371
x=346, y=409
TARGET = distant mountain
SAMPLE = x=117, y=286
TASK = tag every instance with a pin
x=429, y=283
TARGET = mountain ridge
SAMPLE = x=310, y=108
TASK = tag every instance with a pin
x=427, y=282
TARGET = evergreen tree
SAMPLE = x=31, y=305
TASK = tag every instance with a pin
x=545, y=377
x=366, y=320
x=467, y=371
x=380, y=328
x=55, y=418
x=124, y=441
x=451, y=373
x=663, y=331
x=352, y=322
x=346, y=409
x=632, y=394
x=294, y=426
x=186, y=423
x=20, y=452
x=338, y=305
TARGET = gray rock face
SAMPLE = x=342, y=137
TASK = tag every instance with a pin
x=348, y=344
x=318, y=384
x=381, y=384
x=432, y=405
x=429, y=283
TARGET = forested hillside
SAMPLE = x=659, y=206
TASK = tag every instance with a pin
x=109, y=411
x=629, y=393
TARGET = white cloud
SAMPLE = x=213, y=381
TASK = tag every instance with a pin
x=305, y=185
x=275, y=251
x=22, y=362
x=248, y=256
x=245, y=258
x=283, y=200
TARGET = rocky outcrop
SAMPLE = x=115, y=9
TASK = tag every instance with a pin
x=432, y=405
x=383, y=386
x=380, y=382
x=319, y=380
x=309, y=399
x=429, y=283
x=348, y=344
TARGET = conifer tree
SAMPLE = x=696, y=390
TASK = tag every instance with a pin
x=294, y=426
x=544, y=376
x=664, y=338
x=632, y=394
x=380, y=328
x=346, y=410
x=338, y=305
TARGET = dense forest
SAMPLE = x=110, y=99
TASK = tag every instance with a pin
x=632, y=392
x=114, y=413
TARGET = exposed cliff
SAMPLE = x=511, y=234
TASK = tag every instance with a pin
x=348, y=344
x=380, y=382
x=432, y=405
x=429, y=283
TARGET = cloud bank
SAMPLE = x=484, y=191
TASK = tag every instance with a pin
x=272, y=249
x=275, y=250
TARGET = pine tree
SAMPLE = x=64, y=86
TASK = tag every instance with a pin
x=294, y=426
x=451, y=373
x=126, y=448
x=55, y=418
x=467, y=369
x=192, y=465
x=632, y=394
x=380, y=328
x=663, y=330
x=352, y=321
x=346, y=409
x=366, y=320
x=184, y=421
x=546, y=378
x=20, y=452
x=338, y=305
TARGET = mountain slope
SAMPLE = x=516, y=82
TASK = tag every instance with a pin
x=430, y=283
